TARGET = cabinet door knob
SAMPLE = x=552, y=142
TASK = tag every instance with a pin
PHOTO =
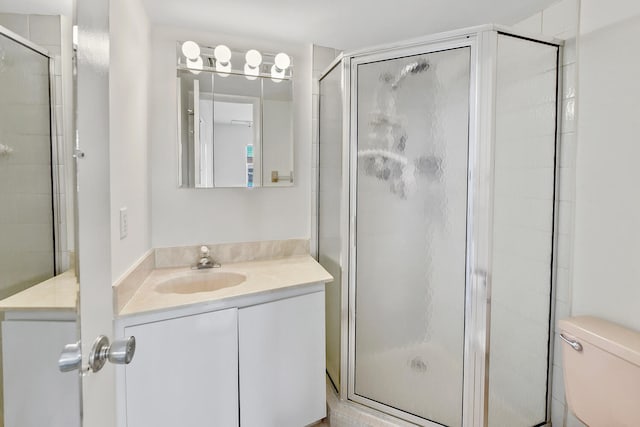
x=120, y=352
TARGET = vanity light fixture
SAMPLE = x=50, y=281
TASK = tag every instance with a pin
x=222, y=54
x=191, y=50
x=253, y=58
x=282, y=61
x=223, y=61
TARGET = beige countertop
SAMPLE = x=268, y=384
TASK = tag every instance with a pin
x=59, y=293
x=261, y=277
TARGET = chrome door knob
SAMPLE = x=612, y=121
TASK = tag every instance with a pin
x=70, y=358
x=120, y=352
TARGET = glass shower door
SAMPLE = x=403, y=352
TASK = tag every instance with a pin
x=330, y=211
x=27, y=254
x=408, y=293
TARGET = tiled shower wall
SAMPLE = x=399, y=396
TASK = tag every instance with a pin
x=562, y=21
x=53, y=33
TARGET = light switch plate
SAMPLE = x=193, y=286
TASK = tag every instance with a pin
x=124, y=223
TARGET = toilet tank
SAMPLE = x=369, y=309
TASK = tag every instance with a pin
x=601, y=371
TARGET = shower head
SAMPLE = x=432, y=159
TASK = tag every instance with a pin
x=413, y=68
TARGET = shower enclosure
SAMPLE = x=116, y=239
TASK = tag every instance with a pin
x=436, y=187
x=29, y=252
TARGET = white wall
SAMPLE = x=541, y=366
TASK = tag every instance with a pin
x=193, y=216
x=128, y=109
x=607, y=232
x=600, y=14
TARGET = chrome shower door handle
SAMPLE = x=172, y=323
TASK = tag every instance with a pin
x=573, y=343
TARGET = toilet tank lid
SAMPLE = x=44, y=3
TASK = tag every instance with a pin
x=608, y=336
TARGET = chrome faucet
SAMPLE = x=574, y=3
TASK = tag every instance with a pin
x=205, y=260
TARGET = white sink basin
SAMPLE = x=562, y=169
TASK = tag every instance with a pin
x=199, y=281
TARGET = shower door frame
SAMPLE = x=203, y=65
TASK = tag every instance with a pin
x=473, y=374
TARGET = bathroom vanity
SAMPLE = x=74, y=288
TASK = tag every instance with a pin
x=37, y=324
x=249, y=354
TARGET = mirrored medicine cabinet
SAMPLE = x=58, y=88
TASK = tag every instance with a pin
x=235, y=110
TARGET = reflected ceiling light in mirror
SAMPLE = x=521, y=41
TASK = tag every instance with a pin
x=222, y=54
x=282, y=61
x=223, y=70
x=276, y=74
x=191, y=50
x=251, y=73
x=195, y=65
x=253, y=58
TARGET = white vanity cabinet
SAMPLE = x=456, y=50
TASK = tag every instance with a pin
x=36, y=393
x=282, y=362
x=256, y=361
x=184, y=372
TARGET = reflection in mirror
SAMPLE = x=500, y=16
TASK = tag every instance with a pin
x=235, y=129
x=277, y=130
x=236, y=116
x=38, y=288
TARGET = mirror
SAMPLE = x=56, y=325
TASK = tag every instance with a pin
x=235, y=130
x=38, y=285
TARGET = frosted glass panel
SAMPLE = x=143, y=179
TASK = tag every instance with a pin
x=329, y=211
x=26, y=205
x=523, y=231
x=412, y=148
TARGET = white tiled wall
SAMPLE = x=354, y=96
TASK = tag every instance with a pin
x=561, y=20
x=523, y=231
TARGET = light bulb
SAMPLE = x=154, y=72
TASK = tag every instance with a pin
x=276, y=74
x=253, y=57
x=195, y=66
x=282, y=61
x=191, y=50
x=222, y=53
x=223, y=70
x=250, y=73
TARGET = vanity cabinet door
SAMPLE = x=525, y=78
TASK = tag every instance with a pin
x=185, y=372
x=36, y=393
x=282, y=362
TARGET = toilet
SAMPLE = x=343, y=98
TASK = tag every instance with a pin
x=601, y=363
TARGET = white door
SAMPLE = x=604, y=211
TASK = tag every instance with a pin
x=93, y=201
x=37, y=290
